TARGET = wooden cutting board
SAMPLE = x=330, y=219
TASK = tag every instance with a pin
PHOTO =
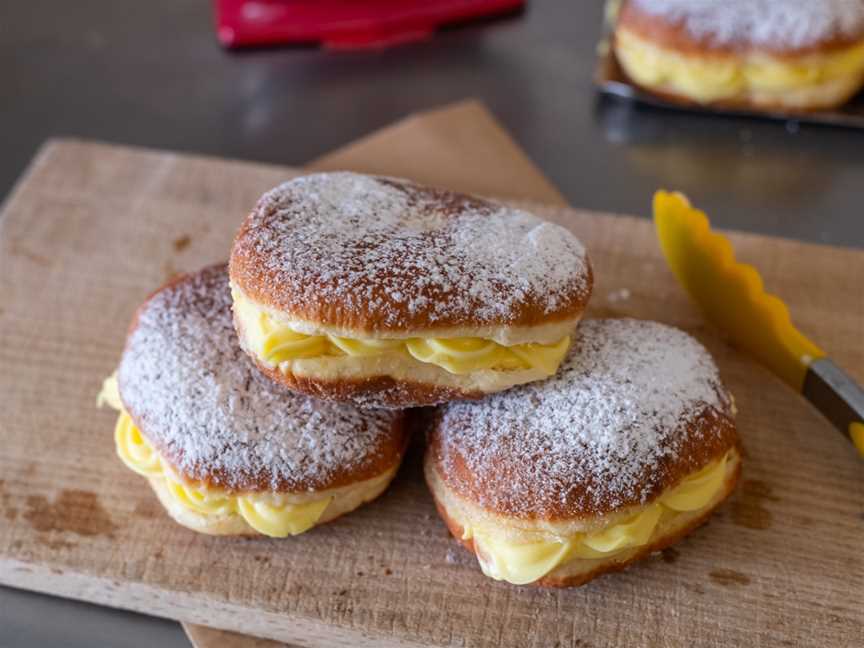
x=91, y=229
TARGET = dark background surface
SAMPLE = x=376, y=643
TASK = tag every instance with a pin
x=150, y=73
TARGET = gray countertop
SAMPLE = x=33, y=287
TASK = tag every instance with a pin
x=150, y=73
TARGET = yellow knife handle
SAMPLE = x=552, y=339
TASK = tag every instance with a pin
x=856, y=433
x=732, y=297
x=730, y=294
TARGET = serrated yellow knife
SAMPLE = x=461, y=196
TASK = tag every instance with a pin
x=732, y=297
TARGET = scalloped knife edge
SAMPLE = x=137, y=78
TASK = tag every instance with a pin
x=731, y=295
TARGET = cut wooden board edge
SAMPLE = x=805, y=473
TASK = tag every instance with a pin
x=138, y=597
x=43, y=152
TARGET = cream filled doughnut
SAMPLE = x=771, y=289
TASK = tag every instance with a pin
x=383, y=292
x=762, y=54
x=629, y=447
x=227, y=450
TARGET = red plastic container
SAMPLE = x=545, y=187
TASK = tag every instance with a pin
x=344, y=24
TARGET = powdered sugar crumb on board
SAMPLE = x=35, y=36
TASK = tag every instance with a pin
x=618, y=296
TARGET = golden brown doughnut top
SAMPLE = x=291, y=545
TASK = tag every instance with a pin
x=201, y=402
x=635, y=407
x=380, y=254
x=775, y=26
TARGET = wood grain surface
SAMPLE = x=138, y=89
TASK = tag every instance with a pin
x=91, y=229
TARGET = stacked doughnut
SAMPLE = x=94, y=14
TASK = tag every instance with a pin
x=382, y=292
x=793, y=55
x=629, y=447
x=270, y=396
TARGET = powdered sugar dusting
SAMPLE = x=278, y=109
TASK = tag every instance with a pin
x=778, y=24
x=202, y=402
x=598, y=435
x=385, y=250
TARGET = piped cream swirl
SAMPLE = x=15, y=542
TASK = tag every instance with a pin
x=521, y=563
x=274, y=342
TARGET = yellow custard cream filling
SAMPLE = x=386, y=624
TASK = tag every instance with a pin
x=711, y=78
x=267, y=513
x=274, y=343
x=527, y=562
